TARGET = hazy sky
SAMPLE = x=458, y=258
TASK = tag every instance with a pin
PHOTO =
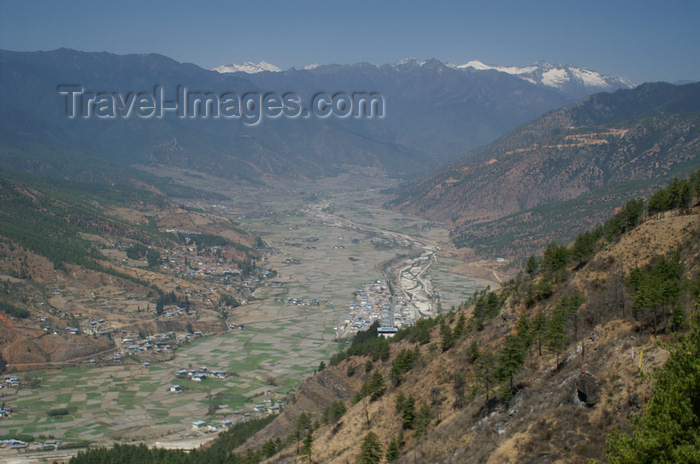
x=641, y=40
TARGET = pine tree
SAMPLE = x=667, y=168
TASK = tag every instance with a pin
x=556, y=334
x=423, y=418
x=531, y=266
x=539, y=327
x=511, y=358
x=303, y=424
x=486, y=371
x=658, y=203
x=459, y=327
x=408, y=413
x=400, y=400
x=657, y=288
x=667, y=430
x=459, y=383
x=370, y=450
x=308, y=442
x=523, y=328
x=555, y=257
x=446, y=337
x=583, y=248
x=376, y=385
x=473, y=352
x=392, y=450
x=269, y=448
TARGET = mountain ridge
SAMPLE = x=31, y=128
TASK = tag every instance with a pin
x=562, y=401
x=433, y=113
x=247, y=67
x=649, y=132
x=575, y=81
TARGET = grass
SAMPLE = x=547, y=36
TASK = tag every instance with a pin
x=121, y=395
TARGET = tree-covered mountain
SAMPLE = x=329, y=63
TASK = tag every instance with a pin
x=37, y=136
x=63, y=239
x=568, y=166
x=589, y=355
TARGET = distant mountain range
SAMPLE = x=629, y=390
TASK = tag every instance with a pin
x=573, y=81
x=432, y=107
x=434, y=113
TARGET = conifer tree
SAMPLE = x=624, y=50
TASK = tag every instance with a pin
x=370, y=450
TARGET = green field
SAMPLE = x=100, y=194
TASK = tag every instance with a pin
x=281, y=343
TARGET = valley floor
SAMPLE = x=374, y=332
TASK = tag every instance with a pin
x=325, y=243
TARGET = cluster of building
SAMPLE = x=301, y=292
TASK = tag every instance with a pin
x=197, y=375
x=301, y=301
x=93, y=327
x=14, y=443
x=270, y=408
x=212, y=265
x=185, y=261
x=403, y=315
x=179, y=311
x=45, y=323
x=201, y=425
x=10, y=381
x=155, y=343
x=374, y=302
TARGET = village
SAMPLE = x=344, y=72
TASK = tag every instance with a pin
x=212, y=269
x=374, y=302
x=176, y=376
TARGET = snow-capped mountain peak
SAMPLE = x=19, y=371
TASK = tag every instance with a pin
x=563, y=77
x=517, y=70
x=247, y=67
x=410, y=61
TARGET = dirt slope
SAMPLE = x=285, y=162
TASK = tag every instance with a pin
x=556, y=415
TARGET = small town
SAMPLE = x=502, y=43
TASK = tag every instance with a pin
x=374, y=302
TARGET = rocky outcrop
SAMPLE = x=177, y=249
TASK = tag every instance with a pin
x=587, y=389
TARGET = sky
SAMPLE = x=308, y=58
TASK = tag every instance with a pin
x=640, y=40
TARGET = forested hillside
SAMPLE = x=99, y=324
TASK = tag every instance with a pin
x=589, y=354
x=562, y=173
x=69, y=249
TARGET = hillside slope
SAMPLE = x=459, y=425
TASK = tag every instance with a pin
x=606, y=146
x=75, y=253
x=471, y=402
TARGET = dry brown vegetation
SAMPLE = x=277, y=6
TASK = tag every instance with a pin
x=28, y=281
x=545, y=419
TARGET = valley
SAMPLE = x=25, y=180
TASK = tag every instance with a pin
x=323, y=242
x=502, y=264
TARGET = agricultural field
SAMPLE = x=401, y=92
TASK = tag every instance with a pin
x=322, y=258
x=131, y=402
